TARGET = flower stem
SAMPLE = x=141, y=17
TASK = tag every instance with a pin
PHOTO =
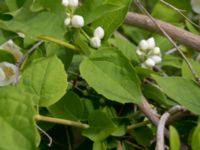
x=61, y=121
x=62, y=43
x=85, y=34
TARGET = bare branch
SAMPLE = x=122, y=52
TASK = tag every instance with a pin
x=160, y=144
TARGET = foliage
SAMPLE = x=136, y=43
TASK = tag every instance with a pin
x=97, y=89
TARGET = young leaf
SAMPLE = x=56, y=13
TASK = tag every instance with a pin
x=100, y=126
x=18, y=131
x=186, y=92
x=196, y=138
x=111, y=74
x=174, y=139
x=46, y=80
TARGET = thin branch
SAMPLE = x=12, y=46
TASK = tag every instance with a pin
x=160, y=144
x=29, y=52
x=162, y=30
x=138, y=125
x=61, y=121
x=180, y=12
x=145, y=107
x=46, y=134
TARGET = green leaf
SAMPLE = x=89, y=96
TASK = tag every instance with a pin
x=69, y=107
x=49, y=22
x=18, y=131
x=46, y=80
x=143, y=136
x=174, y=139
x=100, y=126
x=111, y=21
x=186, y=72
x=111, y=74
x=99, y=146
x=186, y=92
x=196, y=138
x=127, y=48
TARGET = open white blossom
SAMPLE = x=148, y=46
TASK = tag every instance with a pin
x=99, y=32
x=77, y=21
x=12, y=48
x=8, y=74
x=95, y=42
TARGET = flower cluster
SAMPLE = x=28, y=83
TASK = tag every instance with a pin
x=8, y=71
x=75, y=21
x=98, y=34
x=148, y=53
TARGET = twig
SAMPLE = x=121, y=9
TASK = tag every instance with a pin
x=46, y=134
x=137, y=125
x=61, y=121
x=134, y=145
x=180, y=12
x=170, y=39
x=160, y=143
x=150, y=113
x=30, y=51
x=177, y=34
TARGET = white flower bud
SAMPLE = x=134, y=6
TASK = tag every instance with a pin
x=22, y=35
x=99, y=32
x=73, y=3
x=95, y=42
x=9, y=74
x=156, y=51
x=149, y=62
x=139, y=52
x=2, y=75
x=67, y=21
x=65, y=3
x=144, y=66
x=143, y=45
x=77, y=21
x=151, y=43
x=156, y=59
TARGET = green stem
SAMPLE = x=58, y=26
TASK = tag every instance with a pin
x=137, y=125
x=85, y=34
x=61, y=121
x=62, y=43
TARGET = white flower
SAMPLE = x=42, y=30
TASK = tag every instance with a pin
x=77, y=21
x=149, y=62
x=151, y=43
x=12, y=48
x=65, y=3
x=143, y=45
x=196, y=5
x=99, y=32
x=95, y=42
x=156, y=59
x=73, y=3
x=156, y=51
x=2, y=75
x=8, y=73
x=67, y=21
